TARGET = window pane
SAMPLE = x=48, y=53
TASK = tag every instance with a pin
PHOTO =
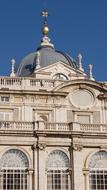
x=98, y=180
x=57, y=180
x=13, y=180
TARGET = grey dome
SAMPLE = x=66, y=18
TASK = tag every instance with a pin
x=48, y=56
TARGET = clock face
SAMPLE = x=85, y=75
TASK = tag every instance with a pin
x=82, y=98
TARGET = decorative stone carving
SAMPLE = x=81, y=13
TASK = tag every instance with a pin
x=77, y=147
x=37, y=60
x=13, y=61
x=34, y=146
x=80, y=62
x=40, y=146
x=90, y=72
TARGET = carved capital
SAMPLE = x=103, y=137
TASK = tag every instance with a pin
x=30, y=171
x=34, y=146
x=41, y=146
x=77, y=147
x=85, y=171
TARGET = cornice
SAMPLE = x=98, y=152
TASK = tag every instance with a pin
x=93, y=84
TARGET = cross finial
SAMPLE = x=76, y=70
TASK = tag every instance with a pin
x=45, y=14
x=45, y=29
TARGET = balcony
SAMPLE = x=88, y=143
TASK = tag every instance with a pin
x=51, y=127
x=19, y=83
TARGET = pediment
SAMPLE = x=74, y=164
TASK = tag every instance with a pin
x=81, y=84
x=59, y=67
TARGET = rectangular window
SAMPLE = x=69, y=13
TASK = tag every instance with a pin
x=6, y=116
x=13, y=180
x=98, y=180
x=57, y=180
x=5, y=98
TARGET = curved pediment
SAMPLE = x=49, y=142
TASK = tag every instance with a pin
x=81, y=83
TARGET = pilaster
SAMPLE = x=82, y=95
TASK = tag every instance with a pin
x=77, y=167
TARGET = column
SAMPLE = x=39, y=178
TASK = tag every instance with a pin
x=86, y=178
x=42, y=166
x=71, y=169
x=35, y=163
x=30, y=175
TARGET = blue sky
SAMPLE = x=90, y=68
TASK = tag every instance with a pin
x=75, y=26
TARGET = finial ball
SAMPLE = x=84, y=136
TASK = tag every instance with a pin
x=45, y=30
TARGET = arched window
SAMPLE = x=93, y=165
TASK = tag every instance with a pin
x=57, y=171
x=13, y=170
x=98, y=171
x=60, y=76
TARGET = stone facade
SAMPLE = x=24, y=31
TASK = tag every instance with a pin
x=44, y=116
x=53, y=125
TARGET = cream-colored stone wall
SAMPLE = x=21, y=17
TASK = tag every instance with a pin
x=57, y=108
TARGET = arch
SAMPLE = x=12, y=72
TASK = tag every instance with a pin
x=14, y=169
x=20, y=149
x=57, y=159
x=88, y=158
x=88, y=83
x=14, y=158
x=60, y=76
x=98, y=170
x=57, y=171
x=98, y=160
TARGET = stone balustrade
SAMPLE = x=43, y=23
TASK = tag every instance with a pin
x=19, y=83
x=18, y=125
x=44, y=126
x=57, y=126
x=93, y=127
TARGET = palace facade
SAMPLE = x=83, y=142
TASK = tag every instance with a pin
x=53, y=124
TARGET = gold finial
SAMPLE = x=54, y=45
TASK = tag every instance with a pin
x=45, y=29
